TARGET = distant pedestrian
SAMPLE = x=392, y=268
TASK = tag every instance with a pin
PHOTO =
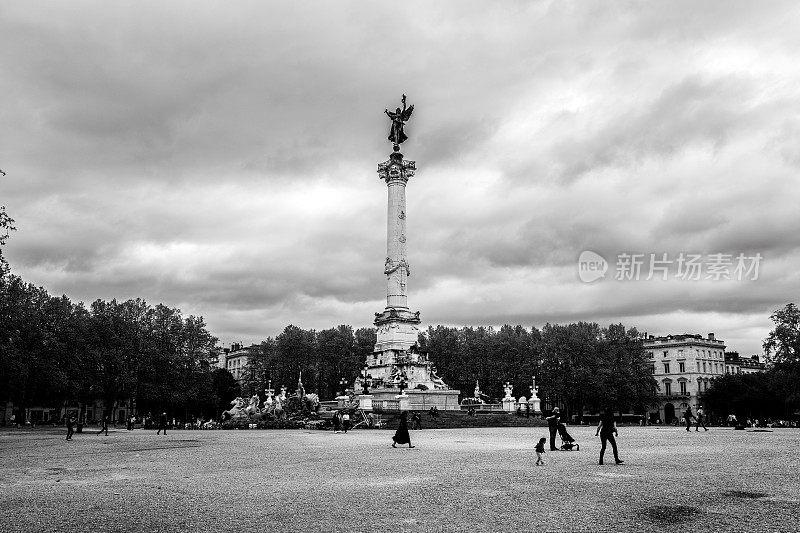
x=70, y=426
x=540, y=451
x=688, y=416
x=401, y=436
x=162, y=424
x=416, y=421
x=104, y=426
x=14, y=420
x=336, y=422
x=345, y=421
x=607, y=429
x=700, y=419
x=552, y=425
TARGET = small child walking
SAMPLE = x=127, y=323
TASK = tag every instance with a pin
x=540, y=451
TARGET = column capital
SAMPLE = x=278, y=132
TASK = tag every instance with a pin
x=396, y=169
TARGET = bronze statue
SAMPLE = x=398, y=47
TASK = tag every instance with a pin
x=396, y=134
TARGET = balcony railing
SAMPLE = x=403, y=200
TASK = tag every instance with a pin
x=385, y=405
x=673, y=396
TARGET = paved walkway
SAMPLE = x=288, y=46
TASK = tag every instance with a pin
x=481, y=479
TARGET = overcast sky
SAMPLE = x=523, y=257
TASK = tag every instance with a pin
x=221, y=158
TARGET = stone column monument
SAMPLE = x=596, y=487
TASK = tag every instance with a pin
x=396, y=364
x=397, y=326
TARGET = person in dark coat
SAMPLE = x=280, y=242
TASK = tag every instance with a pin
x=104, y=426
x=401, y=436
x=70, y=426
x=336, y=422
x=688, y=416
x=552, y=425
x=162, y=424
x=607, y=429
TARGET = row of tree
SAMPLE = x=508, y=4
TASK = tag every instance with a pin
x=323, y=358
x=772, y=394
x=580, y=366
x=55, y=352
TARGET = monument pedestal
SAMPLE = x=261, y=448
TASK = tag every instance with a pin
x=365, y=402
x=403, y=401
x=509, y=405
x=535, y=404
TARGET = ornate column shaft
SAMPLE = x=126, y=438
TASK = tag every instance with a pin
x=396, y=267
x=396, y=173
x=396, y=325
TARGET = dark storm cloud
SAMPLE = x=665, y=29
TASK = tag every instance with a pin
x=222, y=158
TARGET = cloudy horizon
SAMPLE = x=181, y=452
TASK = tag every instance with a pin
x=222, y=158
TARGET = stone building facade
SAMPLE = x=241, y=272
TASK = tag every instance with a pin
x=742, y=365
x=683, y=366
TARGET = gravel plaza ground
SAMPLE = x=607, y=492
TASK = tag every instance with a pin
x=453, y=480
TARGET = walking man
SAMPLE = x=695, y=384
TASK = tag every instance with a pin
x=700, y=419
x=70, y=426
x=607, y=429
x=162, y=424
x=104, y=426
x=687, y=416
x=552, y=425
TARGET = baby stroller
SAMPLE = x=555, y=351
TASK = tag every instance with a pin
x=567, y=442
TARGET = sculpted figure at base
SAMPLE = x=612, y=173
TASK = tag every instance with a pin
x=252, y=410
x=236, y=410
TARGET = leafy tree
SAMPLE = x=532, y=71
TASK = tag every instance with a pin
x=296, y=350
x=338, y=359
x=626, y=381
x=754, y=395
x=6, y=225
x=364, y=343
x=783, y=343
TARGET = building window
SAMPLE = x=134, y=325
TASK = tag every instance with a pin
x=683, y=387
x=666, y=353
x=666, y=368
x=681, y=367
x=650, y=354
x=668, y=389
x=652, y=369
x=680, y=353
x=704, y=366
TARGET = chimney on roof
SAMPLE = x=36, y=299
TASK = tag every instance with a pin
x=711, y=336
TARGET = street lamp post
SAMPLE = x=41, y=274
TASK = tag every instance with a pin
x=365, y=383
